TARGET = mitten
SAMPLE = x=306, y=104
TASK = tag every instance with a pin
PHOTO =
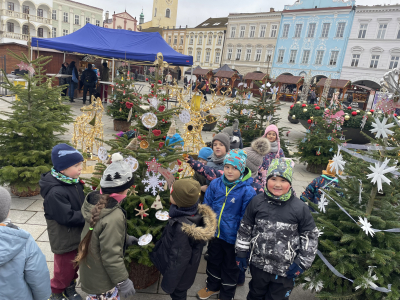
x=131, y=240
x=241, y=263
x=294, y=271
x=126, y=289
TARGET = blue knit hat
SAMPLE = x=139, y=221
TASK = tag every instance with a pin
x=205, y=152
x=236, y=158
x=175, y=139
x=64, y=156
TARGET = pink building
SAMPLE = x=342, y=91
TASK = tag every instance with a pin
x=121, y=21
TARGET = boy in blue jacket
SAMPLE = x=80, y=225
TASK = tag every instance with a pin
x=228, y=196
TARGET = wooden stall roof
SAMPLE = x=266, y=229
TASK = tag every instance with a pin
x=364, y=87
x=336, y=83
x=289, y=79
x=255, y=76
x=225, y=74
x=201, y=71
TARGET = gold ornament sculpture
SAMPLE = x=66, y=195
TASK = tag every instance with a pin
x=88, y=128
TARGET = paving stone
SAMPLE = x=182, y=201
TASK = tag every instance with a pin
x=45, y=247
x=300, y=294
x=44, y=237
x=21, y=203
x=36, y=206
x=37, y=219
x=20, y=216
x=34, y=230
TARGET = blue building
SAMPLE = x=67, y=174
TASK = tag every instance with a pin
x=313, y=36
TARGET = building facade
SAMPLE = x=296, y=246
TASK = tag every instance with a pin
x=205, y=42
x=164, y=14
x=121, y=21
x=374, y=44
x=176, y=38
x=250, y=41
x=313, y=36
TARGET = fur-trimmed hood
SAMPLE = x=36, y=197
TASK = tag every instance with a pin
x=205, y=232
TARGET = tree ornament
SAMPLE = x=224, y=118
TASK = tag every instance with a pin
x=161, y=108
x=161, y=144
x=319, y=151
x=141, y=211
x=309, y=121
x=145, y=239
x=354, y=113
x=317, y=285
x=184, y=116
x=349, y=107
x=152, y=166
x=378, y=173
x=153, y=182
x=303, y=105
x=293, y=117
x=347, y=117
x=322, y=203
x=317, y=108
x=305, y=110
x=147, y=79
x=156, y=132
x=381, y=128
x=338, y=163
x=157, y=203
x=366, y=226
x=144, y=144
x=132, y=162
x=291, y=106
x=149, y=120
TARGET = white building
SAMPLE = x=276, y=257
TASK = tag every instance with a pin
x=374, y=44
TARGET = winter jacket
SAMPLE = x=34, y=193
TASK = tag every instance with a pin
x=210, y=174
x=312, y=192
x=62, y=210
x=105, y=74
x=177, y=254
x=104, y=266
x=89, y=77
x=203, y=181
x=212, y=164
x=283, y=231
x=23, y=269
x=63, y=80
x=229, y=205
x=71, y=70
x=268, y=158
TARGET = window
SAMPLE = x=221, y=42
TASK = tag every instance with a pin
x=181, y=41
x=233, y=32
x=319, y=57
x=306, y=56
x=217, y=56
x=175, y=40
x=363, y=31
x=238, y=53
x=208, y=53
x=274, y=29
x=10, y=27
x=340, y=29
x=285, y=32
x=25, y=29
x=394, y=62
x=229, y=57
x=167, y=13
x=10, y=6
x=334, y=56
x=281, y=53
x=292, y=59
x=268, y=58
x=205, y=24
x=54, y=32
x=374, y=61
x=191, y=40
x=209, y=40
x=198, y=56
x=40, y=32
x=65, y=32
x=190, y=52
x=169, y=40
x=297, y=32
x=242, y=30
x=355, y=60
x=311, y=30
x=398, y=34
x=25, y=9
x=381, y=31
x=219, y=40
x=40, y=12
x=258, y=55
x=248, y=54
x=200, y=40
x=54, y=14
x=98, y=24
x=76, y=19
x=155, y=12
x=88, y=21
x=252, y=31
x=263, y=28
x=325, y=30
x=119, y=27
x=65, y=17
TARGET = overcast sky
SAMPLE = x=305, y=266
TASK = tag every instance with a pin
x=193, y=12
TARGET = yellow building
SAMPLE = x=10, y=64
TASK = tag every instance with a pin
x=164, y=14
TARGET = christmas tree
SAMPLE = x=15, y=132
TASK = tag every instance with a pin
x=34, y=125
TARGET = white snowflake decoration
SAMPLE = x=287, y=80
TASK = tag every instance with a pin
x=381, y=128
x=317, y=285
x=154, y=102
x=364, y=121
x=379, y=171
x=366, y=226
x=322, y=203
x=320, y=232
x=153, y=182
x=369, y=280
x=338, y=162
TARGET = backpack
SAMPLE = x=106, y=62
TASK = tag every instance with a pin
x=90, y=77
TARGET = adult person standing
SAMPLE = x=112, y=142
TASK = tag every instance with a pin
x=104, y=76
x=63, y=80
x=168, y=78
x=312, y=97
x=89, y=79
x=73, y=81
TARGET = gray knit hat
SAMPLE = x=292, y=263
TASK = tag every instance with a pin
x=117, y=177
x=255, y=154
x=5, y=204
x=224, y=139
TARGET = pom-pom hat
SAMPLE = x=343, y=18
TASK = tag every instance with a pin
x=117, y=177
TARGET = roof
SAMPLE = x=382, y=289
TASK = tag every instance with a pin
x=80, y=3
x=225, y=74
x=336, y=83
x=315, y=9
x=289, y=79
x=214, y=22
x=202, y=72
x=255, y=76
x=223, y=68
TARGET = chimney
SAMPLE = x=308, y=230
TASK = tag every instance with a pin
x=272, y=9
x=107, y=15
x=173, y=27
x=186, y=26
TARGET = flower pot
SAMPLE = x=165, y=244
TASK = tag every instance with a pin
x=29, y=193
x=293, y=121
x=120, y=125
x=316, y=169
x=143, y=276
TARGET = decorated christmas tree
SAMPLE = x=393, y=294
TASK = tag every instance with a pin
x=33, y=126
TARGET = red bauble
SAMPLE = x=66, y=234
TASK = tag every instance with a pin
x=148, y=100
x=162, y=120
x=395, y=115
x=164, y=137
x=315, y=104
x=147, y=79
x=317, y=108
x=371, y=111
x=139, y=137
x=291, y=106
x=354, y=113
x=156, y=132
x=128, y=105
x=152, y=85
x=135, y=116
x=161, y=108
x=309, y=121
x=159, y=82
x=349, y=107
x=164, y=99
x=161, y=144
x=180, y=170
x=303, y=105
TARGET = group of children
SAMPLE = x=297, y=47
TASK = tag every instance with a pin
x=227, y=205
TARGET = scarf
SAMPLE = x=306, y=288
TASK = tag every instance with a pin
x=117, y=197
x=63, y=178
x=231, y=184
x=217, y=160
x=274, y=146
x=175, y=211
x=282, y=198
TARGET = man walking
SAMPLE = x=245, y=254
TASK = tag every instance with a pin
x=89, y=79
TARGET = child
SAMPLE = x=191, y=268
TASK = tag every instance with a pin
x=283, y=234
x=234, y=134
x=63, y=198
x=177, y=254
x=204, y=154
x=101, y=252
x=228, y=196
x=23, y=269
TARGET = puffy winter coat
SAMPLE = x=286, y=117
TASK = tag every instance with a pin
x=23, y=269
x=214, y=165
x=104, y=266
x=312, y=192
x=268, y=158
x=177, y=254
x=62, y=210
x=229, y=205
x=283, y=232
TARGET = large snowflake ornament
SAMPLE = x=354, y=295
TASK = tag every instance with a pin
x=366, y=226
x=318, y=285
x=153, y=182
x=381, y=128
x=338, y=162
x=378, y=173
x=322, y=203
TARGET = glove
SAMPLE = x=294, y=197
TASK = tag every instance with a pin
x=241, y=263
x=294, y=271
x=131, y=240
x=126, y=289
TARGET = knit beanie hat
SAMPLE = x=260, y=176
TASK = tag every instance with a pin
x=229, y=130
x=223, y=138
x=282, y=167
x=186, y=192
x=274, y=129
x=176, y=139
x=255, y=154
x=5, y=204
x=117, y=177
x=205, y=152
x=64, y=156
x=236, y=158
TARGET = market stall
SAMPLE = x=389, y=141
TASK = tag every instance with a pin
x=337, y=85
x=249, y=79
x=358, y=96
x=226, y=80
x=288, y=87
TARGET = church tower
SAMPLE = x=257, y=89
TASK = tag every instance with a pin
x=164, y=14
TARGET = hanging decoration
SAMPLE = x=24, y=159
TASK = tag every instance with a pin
x=133, y=162
x=102, y=154
x=338, y=162
x=169, y=176
x=381, y=128
x=152, y=166
x=184, y=116
x=149, y=120
x=162, y=215
x=141, y=211
x=378, y=173
x=157, y=203
x=366, y=226
x=145, y=239
x=322, y=203
x=319, y=151
x=153, y=183
x=154, y=102
x=129, y=115
x=144, y=144
x=360, y=191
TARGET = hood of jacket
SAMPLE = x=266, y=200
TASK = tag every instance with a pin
x=12, y=241
x=91, y=200
x=205, y=232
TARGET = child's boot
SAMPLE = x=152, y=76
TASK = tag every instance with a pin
x=205, y=293
x=57, y=297
x=71, y=293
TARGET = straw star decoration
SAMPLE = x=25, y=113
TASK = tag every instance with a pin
x=141, y=211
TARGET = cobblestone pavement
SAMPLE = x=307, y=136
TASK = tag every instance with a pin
x=28, y=214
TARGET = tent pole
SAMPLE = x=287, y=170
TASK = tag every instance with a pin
x=191, y=81
x=64, y=56
x=31, y=53
x=112, y=74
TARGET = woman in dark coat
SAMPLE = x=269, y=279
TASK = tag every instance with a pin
x=63, y=80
